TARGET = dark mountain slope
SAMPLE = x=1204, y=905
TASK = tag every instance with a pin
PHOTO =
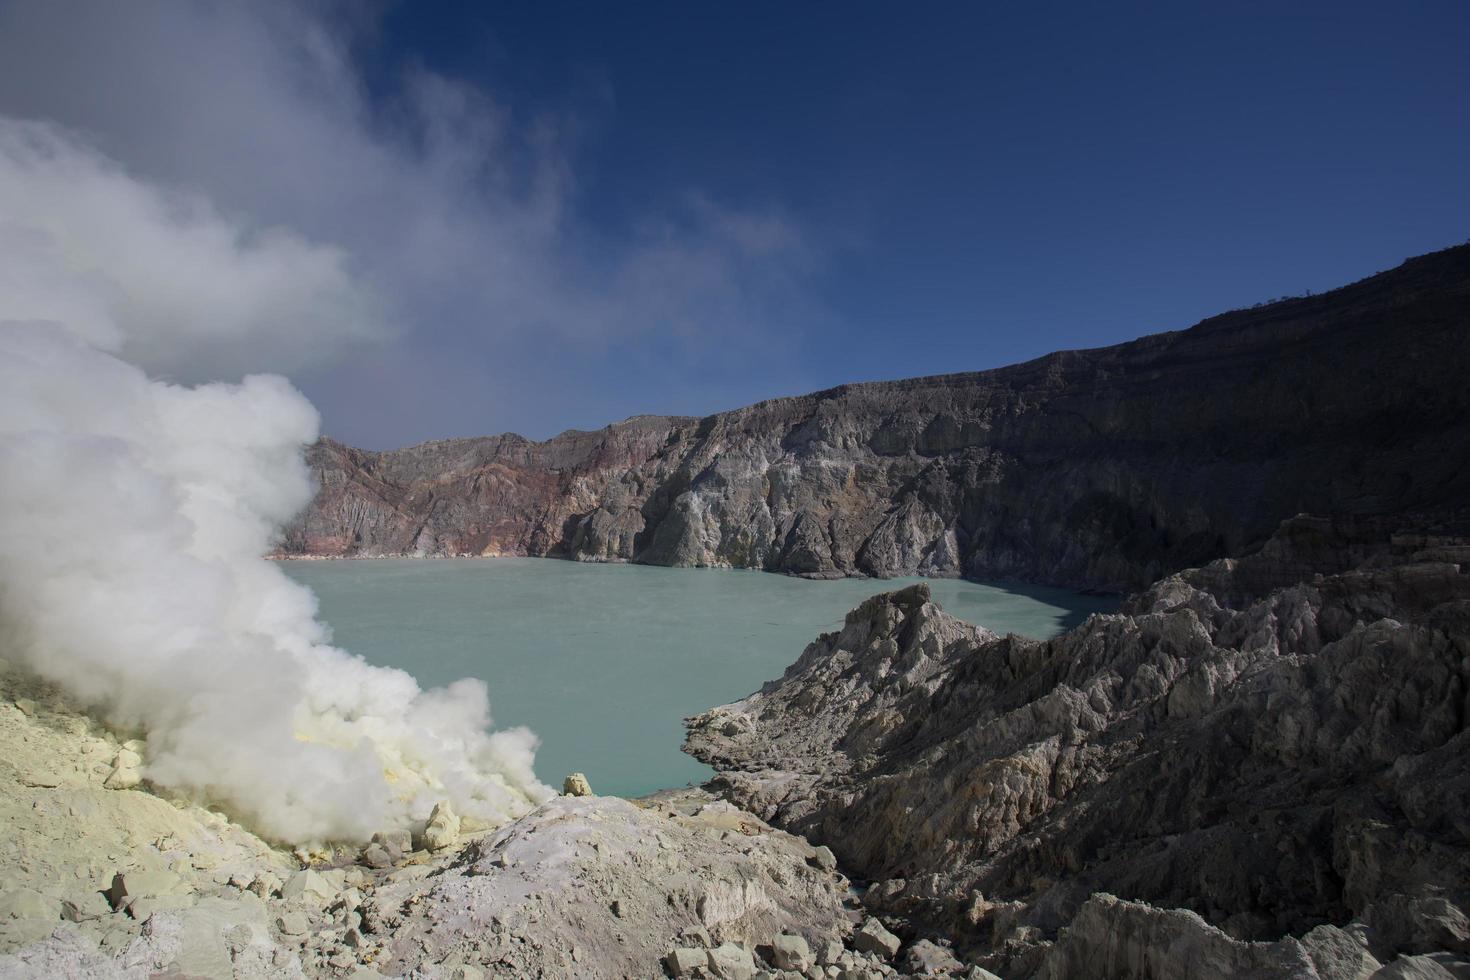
x=1106, y=467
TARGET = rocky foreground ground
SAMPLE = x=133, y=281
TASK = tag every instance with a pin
x=1259, y=768
x=103, y=878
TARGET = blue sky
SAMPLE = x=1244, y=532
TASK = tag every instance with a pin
x=682, y=208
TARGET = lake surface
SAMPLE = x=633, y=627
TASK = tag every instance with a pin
x=604, y=661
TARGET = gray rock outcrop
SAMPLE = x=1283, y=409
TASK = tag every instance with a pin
x=1103, y=468
x=600, y=887
x=791, y=953
x=874, y=938
x=1271, y=757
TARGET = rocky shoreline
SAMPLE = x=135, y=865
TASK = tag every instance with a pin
x=1257, y=768
x=1254, y=769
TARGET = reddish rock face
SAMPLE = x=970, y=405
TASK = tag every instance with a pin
x=500, y=495
x=1103, y=468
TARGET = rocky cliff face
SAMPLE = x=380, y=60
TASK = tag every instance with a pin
x=1105, y=468
x=1277, y=746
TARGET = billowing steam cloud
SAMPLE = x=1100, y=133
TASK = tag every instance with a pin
x=466, y=208
x=133, y=512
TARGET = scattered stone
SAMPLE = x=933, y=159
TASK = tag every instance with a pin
x=350, y=899
x=293, y=923
x=396, y=842
x=823, y=858
x=928, y=957
x=683, y=962
x=443, y=828
x=376, y=856
x=576, y=785
x=791, y=953
x=125, y=773
x=265, y=885
x=696, y=936
x=27, y=707
x=875, y=938
x=310, y=886
x=123, y=777
x=728, y=961
x=831, y=952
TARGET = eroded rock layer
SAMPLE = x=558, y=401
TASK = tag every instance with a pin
x=1275, y=745
x=1103, y=468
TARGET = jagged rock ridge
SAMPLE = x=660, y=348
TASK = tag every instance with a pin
x=1278, y=744
x=1103, y=468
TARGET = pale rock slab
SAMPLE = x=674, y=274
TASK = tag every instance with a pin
x=791, y=953
x=728, y=961
x=443, y=828
x=875, y=938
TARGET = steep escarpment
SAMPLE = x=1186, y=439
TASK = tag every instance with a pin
x=1104, y=468
x=1277, y=746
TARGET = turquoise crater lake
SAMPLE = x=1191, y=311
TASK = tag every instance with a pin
x=605, y=661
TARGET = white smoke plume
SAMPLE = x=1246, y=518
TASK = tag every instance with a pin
x=470, y=211
x=134, y=512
